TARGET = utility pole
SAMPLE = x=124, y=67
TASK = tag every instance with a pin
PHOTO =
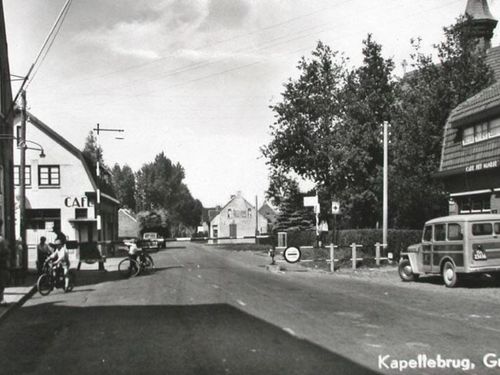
x=97, y=206
x=22, y=184
x=256, y=217
x=385, y=193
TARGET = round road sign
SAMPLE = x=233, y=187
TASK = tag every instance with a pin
x=292, y=254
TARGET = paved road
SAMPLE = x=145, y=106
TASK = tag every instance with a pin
x=207, y=311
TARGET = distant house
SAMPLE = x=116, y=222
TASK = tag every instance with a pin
x=207, y=215
x=470, y=160
x=128, y=226
x=237, y=219
x=269, y=213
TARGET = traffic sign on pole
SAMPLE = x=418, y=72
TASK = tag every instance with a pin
x=335, y=208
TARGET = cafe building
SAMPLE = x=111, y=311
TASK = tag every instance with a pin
x=61, y=191
x=470, y=160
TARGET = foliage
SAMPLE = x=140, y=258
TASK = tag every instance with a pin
x=123, y=180
x=154, y=221
x=285, y=194
x=91, y=150
x=160, y=186
x=426, y=98
x=327, y=128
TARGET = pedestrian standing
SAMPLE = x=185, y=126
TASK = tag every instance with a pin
x=4, y=266
x=43, y=251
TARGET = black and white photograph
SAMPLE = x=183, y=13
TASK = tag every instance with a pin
x=275, y=187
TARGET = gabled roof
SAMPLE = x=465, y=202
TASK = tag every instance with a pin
x=108, y=192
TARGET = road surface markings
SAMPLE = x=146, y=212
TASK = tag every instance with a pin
x=215, y=286
x=240, y=302
x=289, y=330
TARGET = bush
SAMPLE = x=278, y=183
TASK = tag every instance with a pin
x=398, y=239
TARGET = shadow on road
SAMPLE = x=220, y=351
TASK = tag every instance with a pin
x=93, y=277
x=466, y=281
x=194, y=339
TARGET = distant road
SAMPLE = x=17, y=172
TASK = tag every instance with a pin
x=208, y=311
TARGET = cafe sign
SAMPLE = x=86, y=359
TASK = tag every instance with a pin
x=482, y=166
x=77, y=202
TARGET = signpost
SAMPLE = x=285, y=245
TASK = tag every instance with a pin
x=292, y=254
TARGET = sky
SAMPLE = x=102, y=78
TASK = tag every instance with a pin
x=195, y=78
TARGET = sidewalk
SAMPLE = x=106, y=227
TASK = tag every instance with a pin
x=18, y=294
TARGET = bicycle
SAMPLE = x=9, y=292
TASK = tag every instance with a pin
x=130, y=267
x=54, y=278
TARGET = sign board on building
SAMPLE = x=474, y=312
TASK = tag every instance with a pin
x=482, y=166
x=335, y=208
x=292, y=254
x=311, y=201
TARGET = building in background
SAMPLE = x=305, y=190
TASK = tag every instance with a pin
x=270, y=214
x=237, y=219
x=470, y=161
x=7, y=229
x=61, y=194
x=128, y=226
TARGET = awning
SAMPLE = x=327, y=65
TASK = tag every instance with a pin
x=82, y=220
x=473, y=192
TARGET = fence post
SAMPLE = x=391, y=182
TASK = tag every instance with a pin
x=353, y=255
x=377, y=253
x=332, y=257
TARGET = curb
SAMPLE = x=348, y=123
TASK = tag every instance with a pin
x=18, y=303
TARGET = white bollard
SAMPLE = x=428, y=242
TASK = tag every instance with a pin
x=354, y=258
x=332, y=257
x=377, y=253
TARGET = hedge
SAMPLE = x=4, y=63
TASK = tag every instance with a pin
x=398, y=239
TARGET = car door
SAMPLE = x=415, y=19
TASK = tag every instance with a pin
x=427, y=248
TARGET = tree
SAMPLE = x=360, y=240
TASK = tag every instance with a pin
x=123, y=180
x=160, y=187
x=426, y=97
x=284, y=193
x=304, y=135
x=369, y=97
x=91, y=150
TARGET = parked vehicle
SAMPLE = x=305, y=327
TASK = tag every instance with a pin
x=152, y=241
x=453, y=246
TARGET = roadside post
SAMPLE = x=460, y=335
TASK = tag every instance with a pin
x=377, y=252
x=332, y=257
x=354, y=258
x=313, y=202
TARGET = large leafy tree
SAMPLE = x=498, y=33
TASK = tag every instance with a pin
x=123, y=180
x=368, y=101
x=426, y=97
x=304, y=135
x=160, y=186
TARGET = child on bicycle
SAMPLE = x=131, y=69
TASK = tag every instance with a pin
x=61, y=257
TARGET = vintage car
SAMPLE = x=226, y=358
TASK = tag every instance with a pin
x=453, y=246
x=152, y=241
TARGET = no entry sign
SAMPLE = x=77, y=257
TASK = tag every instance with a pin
x=292, y=254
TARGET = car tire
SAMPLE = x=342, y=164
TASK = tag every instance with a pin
x=449, y=274
x=405, y=271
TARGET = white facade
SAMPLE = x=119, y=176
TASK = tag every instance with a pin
x=60, y=193
x=237, y=220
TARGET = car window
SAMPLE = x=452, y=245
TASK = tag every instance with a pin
x=455, y=232
x=482, y=229
x=439, y=232
x=427, y=233
x=497, y=228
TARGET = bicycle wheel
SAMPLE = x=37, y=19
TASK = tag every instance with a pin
x=45, y=284
x=148, y=265
x=128, y=268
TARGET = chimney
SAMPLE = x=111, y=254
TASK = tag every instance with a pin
x=483, y=22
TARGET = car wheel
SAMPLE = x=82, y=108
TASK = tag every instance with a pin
x=449, y=274
x=406, y=271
